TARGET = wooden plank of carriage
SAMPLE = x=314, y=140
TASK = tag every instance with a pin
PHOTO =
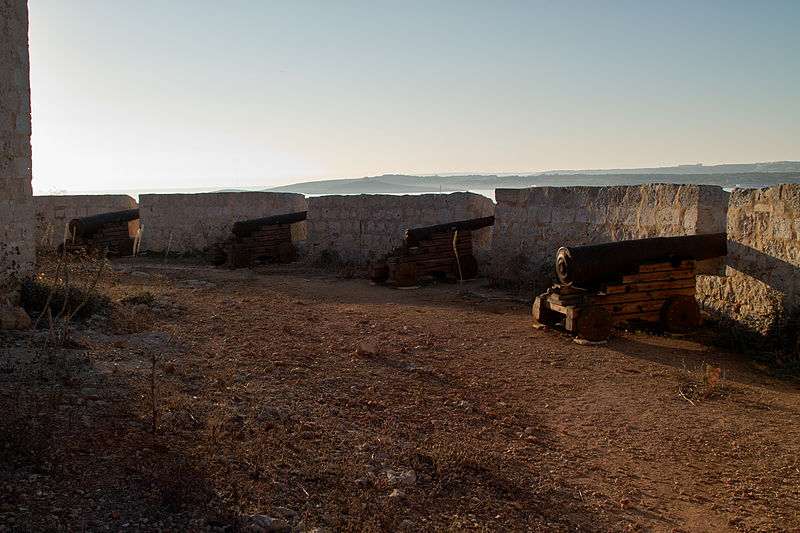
x=273, y=250
x=443, y=243
x=667, y=275
x=638, y=296
x=648, y=286
x=655, y=267
x=281, y=230
x=461, y=247
x=263, y=242
x=438, y=255
x=270, y=232
x=448, y=262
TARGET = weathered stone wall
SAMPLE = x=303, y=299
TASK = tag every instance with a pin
x=16, y=207
x=53, y=213
x=531, y=224
x=364, y=227
x=763, y=263
x=200, y=220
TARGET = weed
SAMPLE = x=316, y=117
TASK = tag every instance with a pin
x=328, y=258
x=125, y=319
x=146, y=298
x=36, y=292
x=155, y=357
x=710, y=383
x=180, y=481
x=784, y=332
x=776, y=340
x=712, y=377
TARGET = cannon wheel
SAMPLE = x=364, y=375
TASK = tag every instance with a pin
x=378, y=271
x=545, y=315
x=216, y=255
x=125, y=247
x=594, y=324
x=680, y=313
x=406, y=274
x=286, y=252
x=469, y=267
x=240, y=259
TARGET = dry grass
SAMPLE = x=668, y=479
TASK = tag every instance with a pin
x=466, y=419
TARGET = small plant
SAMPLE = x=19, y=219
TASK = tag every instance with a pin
x=784, y=332
x=776, y=340
x=712, y=377
x=146, y=298
x=711, y=384
x=130, y=319
x=328, y=258
x=155, y=357
x=36, y=291
x=348, y=272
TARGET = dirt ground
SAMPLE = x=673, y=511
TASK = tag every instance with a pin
x=295, y=398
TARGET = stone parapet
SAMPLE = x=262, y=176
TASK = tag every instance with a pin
x=196, y=221
x=53, y=213
x=762, y=270
x=364, y=227
x=533, y=223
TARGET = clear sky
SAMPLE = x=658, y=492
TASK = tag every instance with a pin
x=156, y=94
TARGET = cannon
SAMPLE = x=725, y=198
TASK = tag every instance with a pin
x=644, y=279
x=106, y=230
x=267, y=238
x=244, y=228
x=440, y=250
x=413, y=237
x=587, y=265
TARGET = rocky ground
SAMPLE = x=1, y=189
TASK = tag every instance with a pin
x=290, y=398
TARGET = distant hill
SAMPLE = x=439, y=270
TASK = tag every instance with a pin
x=753, y=175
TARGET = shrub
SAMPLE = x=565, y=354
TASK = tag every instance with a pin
x=35, y=292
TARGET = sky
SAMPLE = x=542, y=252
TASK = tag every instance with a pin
x=163, y=95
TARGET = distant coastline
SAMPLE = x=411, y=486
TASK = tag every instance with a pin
x=730, y=176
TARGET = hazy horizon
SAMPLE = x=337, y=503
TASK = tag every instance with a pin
x=728, y=176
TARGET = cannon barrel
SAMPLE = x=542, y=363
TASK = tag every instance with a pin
x=588, y=265
x=412, y=237
x=243, y=228
x=87, y=226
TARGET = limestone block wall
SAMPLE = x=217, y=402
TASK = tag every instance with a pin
x=763, y=264
x=531, y=224
x=363, y=227
x=53, y=213
x=16, y=207
x=196, y=221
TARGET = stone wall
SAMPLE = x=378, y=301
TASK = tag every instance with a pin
x=16, y=207
x=763, y=264
x=363, y=227
x=531, y=224
x=196, y=221
x=53, y=213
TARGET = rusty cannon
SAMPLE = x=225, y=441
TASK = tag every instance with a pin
x=111, y=231
x=644, y=279
x=439, y=250
x=267, y=238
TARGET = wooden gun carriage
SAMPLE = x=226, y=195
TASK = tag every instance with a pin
x=110, y=231
x=268, y=238
x=645, y=279
x=440, y=250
